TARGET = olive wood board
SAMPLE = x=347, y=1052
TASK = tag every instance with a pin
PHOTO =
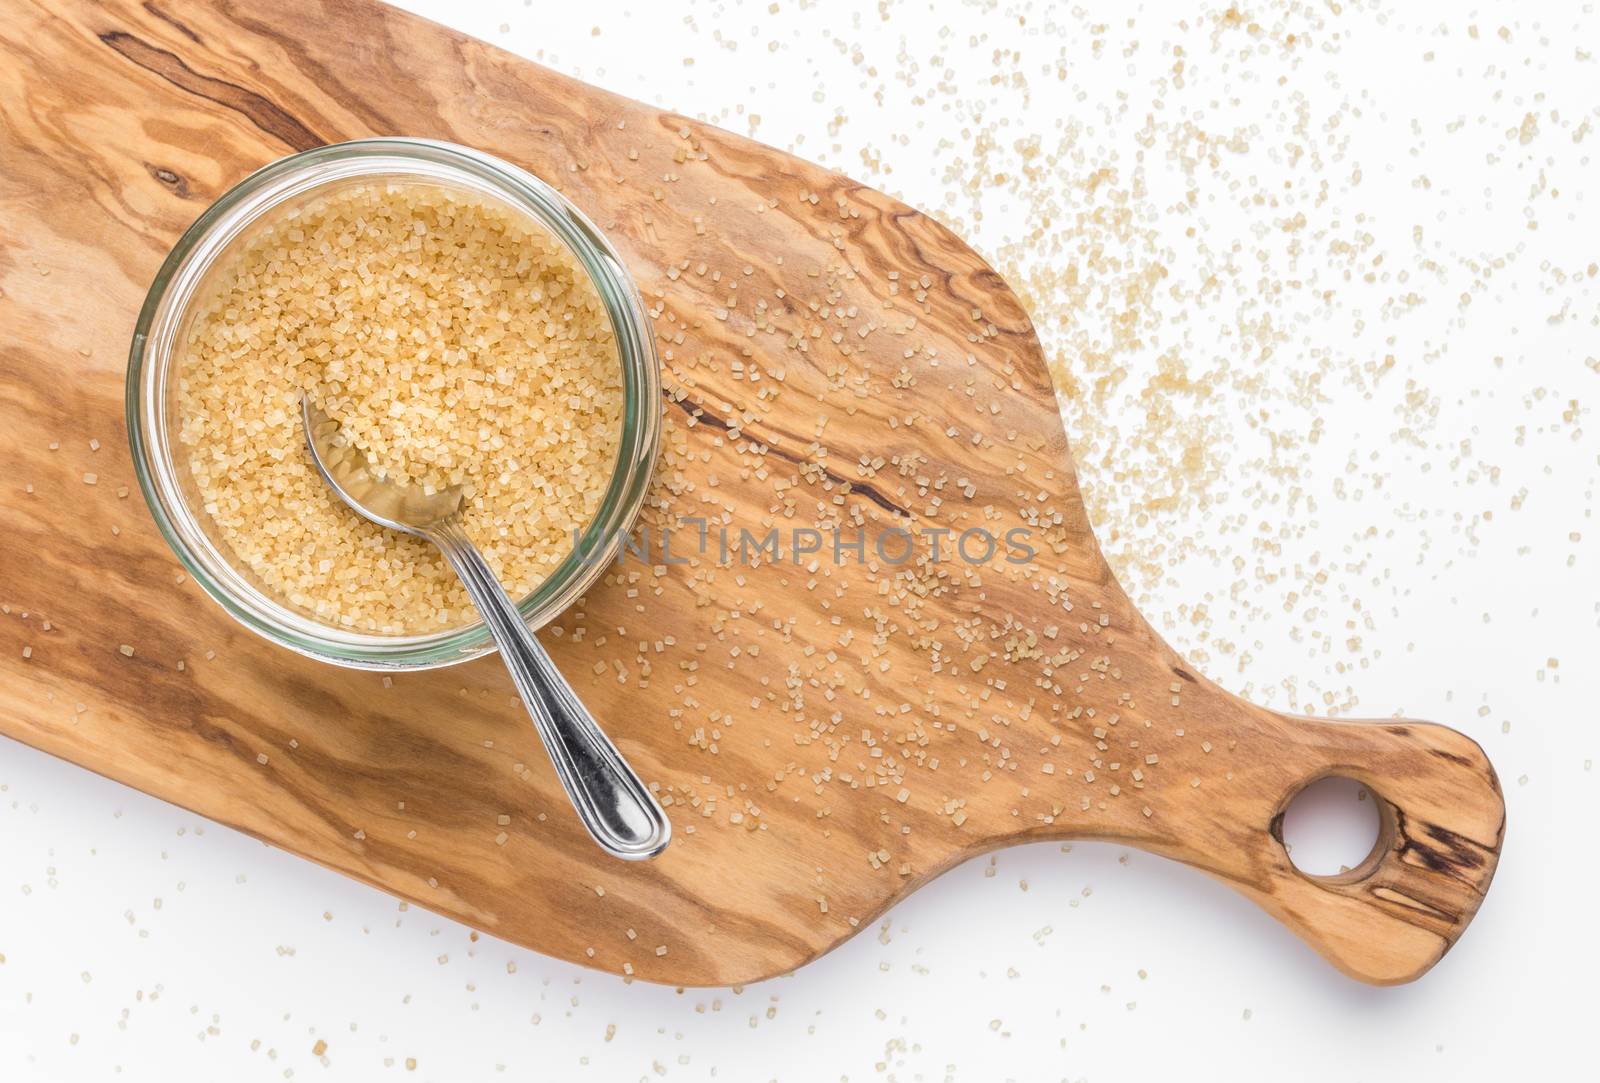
x=825, y=737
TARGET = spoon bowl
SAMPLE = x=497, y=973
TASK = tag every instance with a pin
x=410, y=509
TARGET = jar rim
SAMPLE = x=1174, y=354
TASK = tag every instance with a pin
x=152, y=355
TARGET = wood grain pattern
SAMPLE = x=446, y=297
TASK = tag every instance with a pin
x=825, y=739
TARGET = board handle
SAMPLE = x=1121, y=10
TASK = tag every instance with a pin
x=1441, y=823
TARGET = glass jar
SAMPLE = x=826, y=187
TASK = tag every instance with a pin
x=153, y=423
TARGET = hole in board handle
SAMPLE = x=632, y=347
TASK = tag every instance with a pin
x=1331, y=828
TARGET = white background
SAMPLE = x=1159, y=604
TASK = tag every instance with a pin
x=1261, y=211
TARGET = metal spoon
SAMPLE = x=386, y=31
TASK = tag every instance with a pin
x=611, y=801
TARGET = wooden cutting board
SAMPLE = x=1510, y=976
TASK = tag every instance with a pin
x=825, y=738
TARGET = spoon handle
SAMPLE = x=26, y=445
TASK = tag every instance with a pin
x=611, y=801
